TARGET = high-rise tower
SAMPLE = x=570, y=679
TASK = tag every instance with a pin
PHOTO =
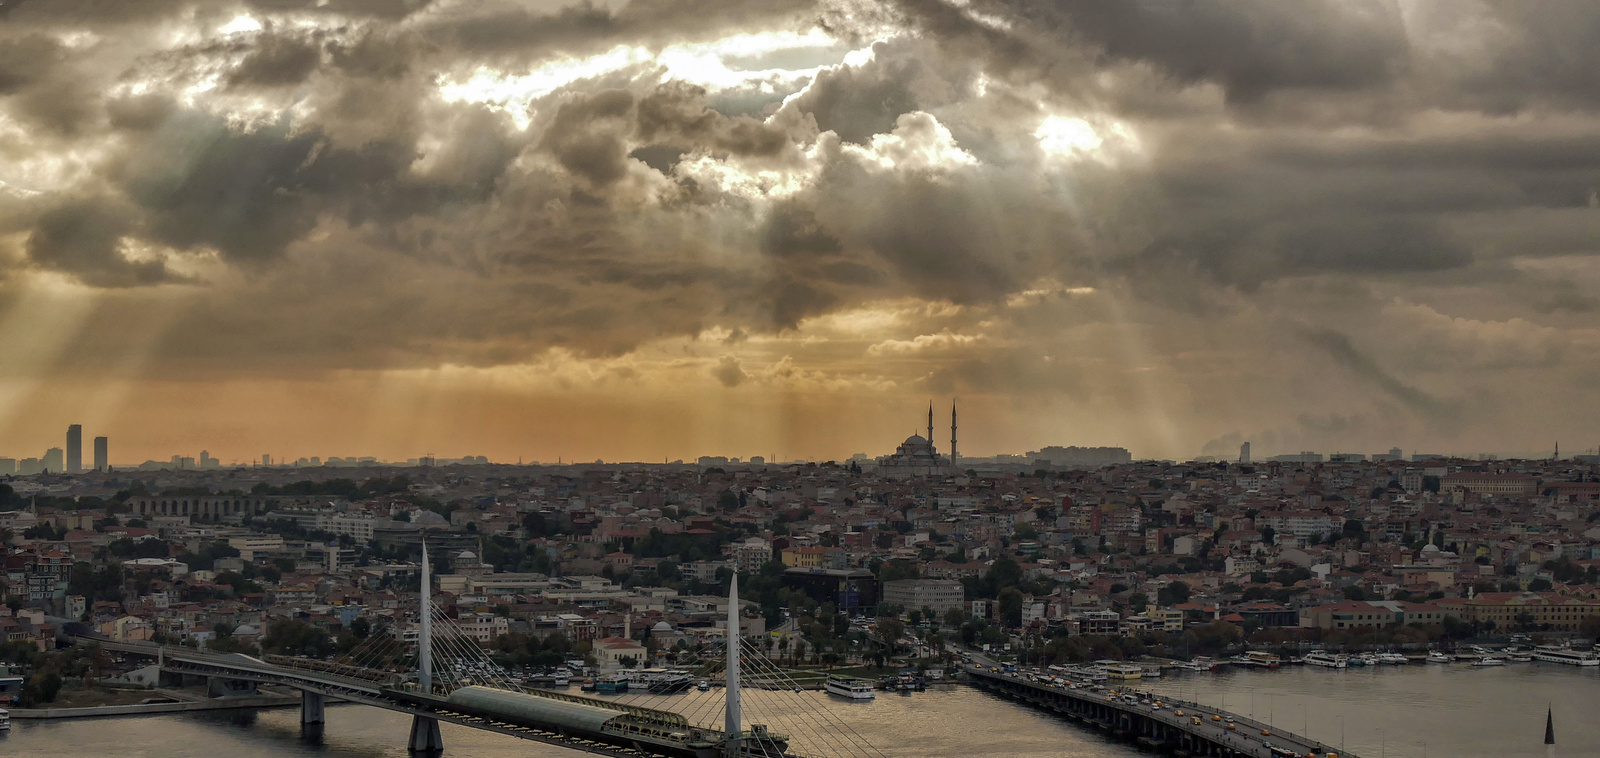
x=75, y=449
x=102, y=460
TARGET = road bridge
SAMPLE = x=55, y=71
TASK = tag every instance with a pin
x=1201, y=730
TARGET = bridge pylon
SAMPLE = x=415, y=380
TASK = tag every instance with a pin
x=425, y=739
x=311, y=708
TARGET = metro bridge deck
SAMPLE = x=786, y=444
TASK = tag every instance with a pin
x=363, y=686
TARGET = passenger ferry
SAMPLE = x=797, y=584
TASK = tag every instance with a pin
x=1327, y=660
x=1092, y=673
x=1556, y=654
x=1265, y=660
x=613, y=684
x=671, y=682
x=1124, y=671
x=847, y=687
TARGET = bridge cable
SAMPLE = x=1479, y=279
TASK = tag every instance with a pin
x=831, y=729
x=841, y=726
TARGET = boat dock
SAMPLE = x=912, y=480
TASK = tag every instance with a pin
x=1151, y=725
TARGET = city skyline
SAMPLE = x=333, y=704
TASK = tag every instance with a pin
x=13, y=463
x=772, y=233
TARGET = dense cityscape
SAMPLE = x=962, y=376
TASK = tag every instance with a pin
x=902, y=561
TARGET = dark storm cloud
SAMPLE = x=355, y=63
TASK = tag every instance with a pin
x=84, y=238
x=382, y=9
x=1550, y=53
x=1338, y=346
x=1008, y=371
x=278, y=60
x=512, y=31
x=39, y=85
x=27, y=60
x=588, y=135
x=1248, y=47
x=792, y=229
x=858, y=102
x=594, y=135
x=246, y=194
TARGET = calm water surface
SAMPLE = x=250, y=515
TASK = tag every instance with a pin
x=1414, y=711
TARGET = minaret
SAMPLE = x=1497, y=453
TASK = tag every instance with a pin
x=731, y=691
x=952, y=432
x=1549, y=733
x=930, y=423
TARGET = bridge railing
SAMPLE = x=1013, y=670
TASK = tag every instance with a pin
x=359, y=673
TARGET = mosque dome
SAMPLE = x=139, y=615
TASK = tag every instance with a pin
x=914, y=440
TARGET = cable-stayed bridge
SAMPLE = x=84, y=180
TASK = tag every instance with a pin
x=446, y=677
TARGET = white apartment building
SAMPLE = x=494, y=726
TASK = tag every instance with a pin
x=916, y=594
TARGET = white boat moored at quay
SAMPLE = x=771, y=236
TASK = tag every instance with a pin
x=1568, y=656
x=846, y=687
x=1326, y=660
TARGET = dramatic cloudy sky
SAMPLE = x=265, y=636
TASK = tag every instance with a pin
x=655, y=229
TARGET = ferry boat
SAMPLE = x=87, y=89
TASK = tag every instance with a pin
x=671, y=683
x=1327, y=660
x=1264, y=660
x=1092, y=673
x=5, y=720
x=847, y=687
x=613, y=684
x=1555, y=654
x=1126, y=672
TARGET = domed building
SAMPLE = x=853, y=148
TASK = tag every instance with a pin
x=917, y=456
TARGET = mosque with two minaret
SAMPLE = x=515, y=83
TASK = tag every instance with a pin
x=917, y=456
